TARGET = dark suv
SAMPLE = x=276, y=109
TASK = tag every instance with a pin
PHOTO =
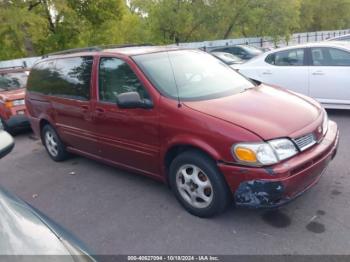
x=244, y=52
x=185, y=118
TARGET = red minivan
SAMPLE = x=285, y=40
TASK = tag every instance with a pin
x=185, y=118
x=12, y=92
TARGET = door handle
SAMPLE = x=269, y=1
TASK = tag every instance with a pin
x=85, y=108
x=318, y=73
x=267, y=73
x=100, y=111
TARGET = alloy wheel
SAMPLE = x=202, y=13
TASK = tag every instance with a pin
x=51, y=144
x=194, y=186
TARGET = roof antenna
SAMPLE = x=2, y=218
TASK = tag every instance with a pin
x=177, y=88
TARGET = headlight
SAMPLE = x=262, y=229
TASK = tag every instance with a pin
x=261, y=154
x=284, y=148
x=325, y=123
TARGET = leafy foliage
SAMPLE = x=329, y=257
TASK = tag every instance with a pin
x=35, y=27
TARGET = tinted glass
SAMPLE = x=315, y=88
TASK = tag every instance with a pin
x=232, y=50
x=227, y=58
x=294, y=57
x=324, y=56
x=116, y=77
x=270, y=59
x=339, y=57
x=40, y=78
x=67, y=77
x=73, y=77
x=192, y=75
x=252, y=50
x=318, y=57
x=12, y=81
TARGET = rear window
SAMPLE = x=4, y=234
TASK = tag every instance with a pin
x=66, y=77
x=12, y=81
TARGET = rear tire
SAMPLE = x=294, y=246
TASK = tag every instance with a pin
x=53, y=144
x=198, y=184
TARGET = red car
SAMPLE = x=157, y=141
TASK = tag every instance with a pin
x=12, y=93
x=185, y=118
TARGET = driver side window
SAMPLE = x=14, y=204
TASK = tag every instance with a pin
x=115, y=78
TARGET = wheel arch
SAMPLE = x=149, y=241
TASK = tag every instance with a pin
x=43, y=122
x=175, y=149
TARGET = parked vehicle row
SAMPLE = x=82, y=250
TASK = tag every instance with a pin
x=185, y=118
x=319, y=70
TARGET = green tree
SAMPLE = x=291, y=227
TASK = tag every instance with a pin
x=324, y=15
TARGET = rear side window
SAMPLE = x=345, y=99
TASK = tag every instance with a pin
x=324, y=56
x=339, y=57
x=293, y=57
x=66, y=77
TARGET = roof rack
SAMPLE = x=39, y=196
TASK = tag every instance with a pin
x=11, y=67
x=74, y=50
x=124, y=46
x=92, y=49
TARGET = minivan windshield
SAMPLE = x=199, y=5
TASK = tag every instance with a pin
x=191, y=75
x=12, y=81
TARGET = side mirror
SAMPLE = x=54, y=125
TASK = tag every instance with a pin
x=6, y=143
x=133, y=100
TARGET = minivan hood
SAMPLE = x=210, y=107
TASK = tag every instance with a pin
x=12, y=95
x=269, y=112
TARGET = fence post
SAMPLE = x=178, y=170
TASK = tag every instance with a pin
x=322, y=36
x=307, y=37
x=261, y=42
x=316, y=37
x=298, y=39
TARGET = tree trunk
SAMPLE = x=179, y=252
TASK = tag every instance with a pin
x=28, y=44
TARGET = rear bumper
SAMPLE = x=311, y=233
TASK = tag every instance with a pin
x=275, y=186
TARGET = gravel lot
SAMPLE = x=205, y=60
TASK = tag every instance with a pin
x=117, y=212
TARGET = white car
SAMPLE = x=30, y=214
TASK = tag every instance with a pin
x=319, y=70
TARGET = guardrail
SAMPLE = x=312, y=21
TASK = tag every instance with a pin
x=297, y=38
x=25, y=62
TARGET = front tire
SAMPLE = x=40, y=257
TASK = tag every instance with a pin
x=53, y=144
x=198, y=184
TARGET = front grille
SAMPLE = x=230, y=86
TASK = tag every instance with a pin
x=304, y=142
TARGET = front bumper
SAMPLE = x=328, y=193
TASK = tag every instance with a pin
x=277, y=185
x=17, y=122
